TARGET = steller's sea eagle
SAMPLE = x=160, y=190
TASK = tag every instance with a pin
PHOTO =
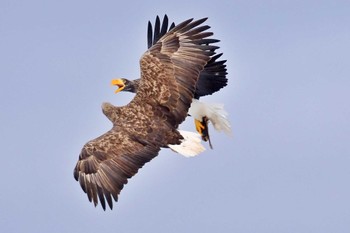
x=170, y=69
x=211, y=79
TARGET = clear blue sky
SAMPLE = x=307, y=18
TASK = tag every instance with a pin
x=286, y=169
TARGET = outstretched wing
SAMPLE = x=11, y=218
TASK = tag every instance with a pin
x=106, y=163
x=171, y=67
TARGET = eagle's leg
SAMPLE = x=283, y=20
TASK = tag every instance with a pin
x=203, y=130
x=199, y=126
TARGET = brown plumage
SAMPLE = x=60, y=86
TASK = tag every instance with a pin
x=169, y=72
x=211, y=79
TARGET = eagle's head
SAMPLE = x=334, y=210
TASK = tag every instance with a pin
x=124, y=84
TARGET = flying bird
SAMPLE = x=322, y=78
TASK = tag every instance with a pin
x=170, y=69
x=211, y=79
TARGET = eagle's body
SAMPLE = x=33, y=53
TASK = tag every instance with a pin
x=169, y=72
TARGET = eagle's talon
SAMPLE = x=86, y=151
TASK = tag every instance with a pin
x=199, y=126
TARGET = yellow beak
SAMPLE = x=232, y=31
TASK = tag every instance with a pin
x=119, y=83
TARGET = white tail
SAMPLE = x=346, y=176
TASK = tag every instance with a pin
x=215, y=113
x=190, y=146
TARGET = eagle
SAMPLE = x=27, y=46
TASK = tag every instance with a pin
x=170, y=69
x=211, y=79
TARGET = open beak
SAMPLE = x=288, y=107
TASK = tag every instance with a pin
x=119, y=83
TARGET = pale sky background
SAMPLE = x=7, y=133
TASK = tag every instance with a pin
x=286, y=169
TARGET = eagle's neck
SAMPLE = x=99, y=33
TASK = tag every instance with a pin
x=134, y=85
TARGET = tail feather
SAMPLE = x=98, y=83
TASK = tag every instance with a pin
x=215, y=113
x=219, y=118
x=190, y=146
x=205, y=131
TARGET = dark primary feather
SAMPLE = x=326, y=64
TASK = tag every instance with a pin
x=149, y=35
x=169, y=72
x=153, y=37
x=164, y=28
x=156, y=29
